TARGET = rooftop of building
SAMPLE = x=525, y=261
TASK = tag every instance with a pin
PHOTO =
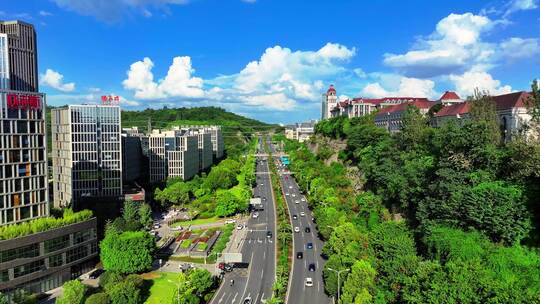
x=449, y=95
x=502, y=102
x=454, y=110
x=420, y=104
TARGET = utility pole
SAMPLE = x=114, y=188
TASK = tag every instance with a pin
x=338, y=282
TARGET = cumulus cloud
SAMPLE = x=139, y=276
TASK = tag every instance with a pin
x=469, y=81
x=297, y=74
x=113, y=10
x=55, y=80
x=179, y=81
x=409, y=87
x=454, y=45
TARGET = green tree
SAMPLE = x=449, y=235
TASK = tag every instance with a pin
x=201, y=280
x=145, y=215
x=98, y=298
x=360, y=284
x=227, y=203
x=124, y=292
x=127, y=252
x=130, y=211
x=3, y=299
x=73, y=293
x=175, y=194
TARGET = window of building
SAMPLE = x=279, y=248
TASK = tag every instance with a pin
x=29, y=251
x=77, y=253
x=83, y=236
x=56, y=243
x=4, y=276
x=31, y=267
x=56, y=260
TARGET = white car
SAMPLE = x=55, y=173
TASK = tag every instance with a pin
x=256, y=215
x=262, y=184
x=240, y=227
x=302, y=213
x=296, y=229
x=290, y=187
x=293, y=195
x=156, y=226
x=287, y=193
x=309, y=282
x=303, y=199
x=230, y=221
x=297, y=202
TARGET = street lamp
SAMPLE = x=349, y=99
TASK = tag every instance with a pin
x=338, y=273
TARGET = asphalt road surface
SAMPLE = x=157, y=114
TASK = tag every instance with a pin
x=258, y=250
x=298, y=291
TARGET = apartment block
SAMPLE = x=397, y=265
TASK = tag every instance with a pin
x=86, y=153
x=218, y=147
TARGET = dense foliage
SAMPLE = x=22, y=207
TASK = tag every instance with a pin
x=443, y=216
x=43, y=224
x=127, y=252
x=225, y=191
x=72, y=293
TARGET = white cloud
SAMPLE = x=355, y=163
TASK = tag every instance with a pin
x=469, y=81
x=516, y=48
x=55, y=80
x=296, y=74
x=520, y=5
x=409, y=87
x=179, y=81
x=275, y=101
x=113, y=10
x=45, y=13
x=454, y=45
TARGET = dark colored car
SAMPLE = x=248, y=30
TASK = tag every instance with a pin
x=311, y=267
x=307, y=230
x=269, y=234
x=309, y=245
x=299, y=255
x=96, y=273
x=294, y=217
x=228, y=267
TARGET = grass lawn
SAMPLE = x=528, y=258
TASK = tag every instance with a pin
x=197, y=222
x=162, y=290
x=185, y=244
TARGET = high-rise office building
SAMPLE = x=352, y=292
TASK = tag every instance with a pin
x=173, y=154
x=218, y=146
x=86, y=153
x=22, y=49
x=205, y=149
x=23, y=157
x=4, y=62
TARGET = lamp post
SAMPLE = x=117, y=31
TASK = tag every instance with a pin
x=338, y=282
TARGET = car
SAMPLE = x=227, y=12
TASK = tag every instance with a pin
x=255, y=215
x=297, y=202
x=228, y=267
x=311, y=267
x=313, y=219
x=262, y=184
x=269, y=234
x=309, y=245
x=299, y=255
x=297, y=229
x=230, y=221
x=96, y=273
x=303, y=199
x=239, y=226
x=294, y=217
x=287, y=193
x=309, y=282
x=307, y=230
x=247, y=300
x=302, y=213
x=290, y=187
x=156, y=226
x=293, y=195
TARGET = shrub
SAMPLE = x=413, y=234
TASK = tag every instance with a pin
x=73, y=293
x=98, y=298
x=108, y=278
x=127, y=252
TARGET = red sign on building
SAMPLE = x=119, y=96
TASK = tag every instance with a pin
x=23, y=101
x=110, y=100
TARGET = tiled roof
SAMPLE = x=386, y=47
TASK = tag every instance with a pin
x=449, y=95
x=421, y=104
x=455, y=109
x=512, y=100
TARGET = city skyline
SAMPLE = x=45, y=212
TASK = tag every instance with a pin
x=236, y=56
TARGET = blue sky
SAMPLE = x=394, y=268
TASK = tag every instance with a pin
x=272, y=59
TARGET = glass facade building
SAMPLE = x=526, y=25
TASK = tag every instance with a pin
x=4, y=62
x=86, y=153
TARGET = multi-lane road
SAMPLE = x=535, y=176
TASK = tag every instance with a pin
x=310, y=265
x=255, y=282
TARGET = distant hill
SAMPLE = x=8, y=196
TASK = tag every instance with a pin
x=236, y=128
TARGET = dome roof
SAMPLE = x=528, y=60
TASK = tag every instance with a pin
x=331, y=89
